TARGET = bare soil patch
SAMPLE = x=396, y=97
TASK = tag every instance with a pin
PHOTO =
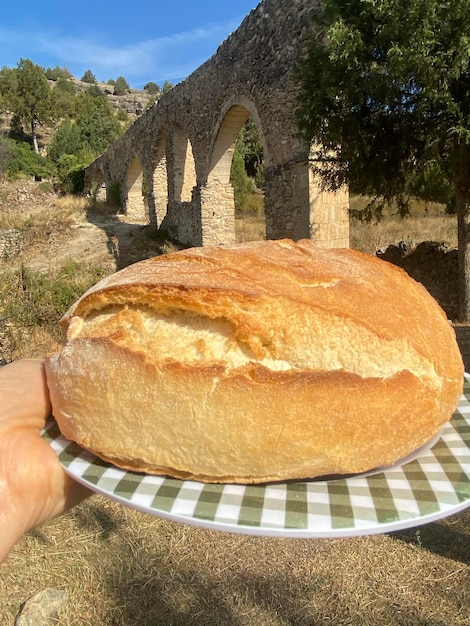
x=122, y=568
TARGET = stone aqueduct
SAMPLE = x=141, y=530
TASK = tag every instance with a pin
x=172, y=166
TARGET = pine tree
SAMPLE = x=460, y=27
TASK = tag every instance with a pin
x=385, y=99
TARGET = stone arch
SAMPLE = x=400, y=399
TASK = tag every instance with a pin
x=211, y=105
x=217, y=196
x=160, y=177
x=135, y=203
x=233, y=117
x=184, y=168
x=182, y=218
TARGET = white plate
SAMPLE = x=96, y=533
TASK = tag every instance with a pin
x=431, y=483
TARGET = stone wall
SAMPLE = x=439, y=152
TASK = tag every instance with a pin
x=184, y=144
x=433, y=264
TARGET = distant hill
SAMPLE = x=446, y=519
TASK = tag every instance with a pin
x=134, y=103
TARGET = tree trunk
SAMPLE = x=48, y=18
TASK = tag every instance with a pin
x=35, y=137
x=462, y=201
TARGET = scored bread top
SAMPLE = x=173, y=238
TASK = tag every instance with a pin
x=263, y=361
x=293, y=305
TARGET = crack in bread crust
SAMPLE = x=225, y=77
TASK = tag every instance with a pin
x=266, y=361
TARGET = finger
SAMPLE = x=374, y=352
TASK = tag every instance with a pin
x=23, y=389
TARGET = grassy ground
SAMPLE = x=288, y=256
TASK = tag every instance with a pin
x=124, y=568
x=426, y=222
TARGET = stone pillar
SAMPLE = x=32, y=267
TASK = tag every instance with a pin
x=160, y=190
x=217, y=213
x=297, y=208
x=286, y=202
x=329, y=215
x=135, y=206
x=100, y=193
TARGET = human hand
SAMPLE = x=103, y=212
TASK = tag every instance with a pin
x=33, y=485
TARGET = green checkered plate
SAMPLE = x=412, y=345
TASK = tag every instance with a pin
x=432, y=483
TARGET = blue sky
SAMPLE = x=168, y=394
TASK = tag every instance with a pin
x=140, y=40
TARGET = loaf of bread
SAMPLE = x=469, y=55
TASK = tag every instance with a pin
x=255, y=362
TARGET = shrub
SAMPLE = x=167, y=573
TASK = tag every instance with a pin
x=31, y=303
x=67, y=140
x=121, y=86
x=152, y=88
x=6, y=152
x=57, y=73
x=88, y=77
x=73, y=181
x=242, y=185
x=122, y=115
x=23, y=160
x=96, y=91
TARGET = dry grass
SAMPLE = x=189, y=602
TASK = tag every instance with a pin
x=426, y=222
x=31, y=301
x=124, y=568
x=250, y=228
x=372, y=237
x=23, y=206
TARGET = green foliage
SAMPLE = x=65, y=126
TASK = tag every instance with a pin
x=98, y=125
x=65, y=162
x=247, y=166
x=28, y=96
x=88, y=77
x=152, y=88
x=57, y=73
x=67, y=140
x=95, y=91
x=385, y=91
x=40, y=298
x=167, y=86
x=89, y=126
x=122, y=115
x=151, y=101
x=385, y=100
x=8, y=82
x=73, y=180
x=434, y=184
x=17, y=131
x=32, y=99
x=242, y=185
x=6, y=152
x=250, y=146
x=63, y=96
x=121, y=86
x=77, y=143
x=94, y=129
x=65, y=86
x=23, y=160
x=71, y=154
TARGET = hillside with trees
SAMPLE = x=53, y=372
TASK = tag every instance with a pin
x=52, y=125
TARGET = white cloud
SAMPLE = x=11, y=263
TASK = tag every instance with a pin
x=170, y=57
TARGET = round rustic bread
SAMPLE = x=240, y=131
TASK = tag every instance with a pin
x=255, y=362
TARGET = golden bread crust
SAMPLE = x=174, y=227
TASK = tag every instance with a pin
x=264, y=361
